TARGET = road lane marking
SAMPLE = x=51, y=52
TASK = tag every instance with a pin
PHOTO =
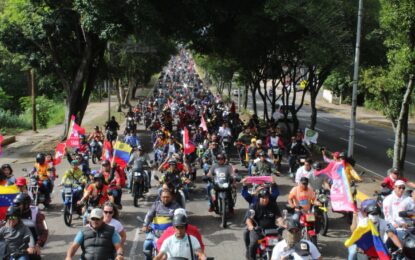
x=323, y=118
x=411, y=163
x=357, y=144
x=318, y=129
x=357, y=129
x=410, y=145
x=366, y=169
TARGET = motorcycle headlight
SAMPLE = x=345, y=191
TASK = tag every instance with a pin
x=322, y=198
x=137, y=174
x=225, y=185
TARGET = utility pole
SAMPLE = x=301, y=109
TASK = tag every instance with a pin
x=355, y=81
x=239, y=98
x=108, y=83
x=32, y=83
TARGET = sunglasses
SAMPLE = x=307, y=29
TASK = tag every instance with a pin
x=401, y=187
x=108, y=212
x=180, y=227
x=96, y=219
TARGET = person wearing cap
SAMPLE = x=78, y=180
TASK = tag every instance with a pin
x=21, y=184
x=302, y=196
x=8, y=171
x=138, y=160
x=96, y=193
x=393, y=175
x=97, y=240
x=181, y=244
x=263, y=215
x=33, y=218
x=391, y=205
x=292, y=246
x=15, y=234
x=253, y=199
x=158, y=218
x=369, y=210
x=83, y=165
x=190, y=229
x=263, y=167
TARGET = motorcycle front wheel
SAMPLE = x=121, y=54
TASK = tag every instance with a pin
x=223, y=211
x=135, y=195
x=67, y=215
x=94, y=158
x=324, y=223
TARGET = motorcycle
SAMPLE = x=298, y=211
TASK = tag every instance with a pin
x=151, y=235
x=322, y=219
x=381, y=195
x=137, y=184
x=277, y=156
x=69, y=203
x=130, y=124
x=268, y=239
x=222, y=187
x=95, y=151
x=34, y=187
x=226, y=142
x=307, y=221
x=111, y=135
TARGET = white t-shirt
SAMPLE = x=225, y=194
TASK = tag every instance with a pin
x=117, y=225
x=277, y=115
x=175, y=247
x=281, y=250
x=302, y=172
x=224, y=131
x=391, y=205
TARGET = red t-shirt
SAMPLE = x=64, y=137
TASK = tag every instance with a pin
x=391, y=183
x=93, y=193
x=191, y=230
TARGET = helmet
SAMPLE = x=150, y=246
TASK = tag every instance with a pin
x=264, y=193
x=98, y=176
x=372, y=209
x=366, y=203
x=317, y=166
x=40, y=158
x=220, y=156
x=13, y=211
x=179, y=220
x=22, y=198
x=172, y=162
x=342, y=155
x=262, y=153
x=293, y=224
x=7, y=166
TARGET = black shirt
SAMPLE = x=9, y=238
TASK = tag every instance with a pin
x=265, y=216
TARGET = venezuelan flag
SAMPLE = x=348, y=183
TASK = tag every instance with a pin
x=368, y=239
x=161, y=222
x=7, y=194
x=122, y=153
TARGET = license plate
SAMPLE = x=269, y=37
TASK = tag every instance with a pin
x=68, y=190
x=310, y=218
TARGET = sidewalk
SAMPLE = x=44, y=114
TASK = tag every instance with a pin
x=29, y=143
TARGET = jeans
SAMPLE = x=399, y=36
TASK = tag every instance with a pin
x=352, y=252
x=253, y=243
x=46, y=188
x=148, y=245
x=116, y=194
x=250, y=165
x=291, y=162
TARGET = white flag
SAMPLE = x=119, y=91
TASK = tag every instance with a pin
x=310, y=136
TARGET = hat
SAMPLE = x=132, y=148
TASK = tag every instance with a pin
x=96, y=213
x=304, y=180
x=399, y=183
x=180, y=211
x=302, y=248
x=336, y=154
x=75, y=162
x=21, y=181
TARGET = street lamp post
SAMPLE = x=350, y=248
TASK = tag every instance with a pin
x=355, y=81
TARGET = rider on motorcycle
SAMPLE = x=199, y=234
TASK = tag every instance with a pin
x=97, y=136
x=8, y=172
x=114, y=179
x=296, y=149
x=263, y=167
x=221, y=165
x=391, y=205
x=33, y=219
x=43, y=172
x=158, y=218
x=253, y=199
x=172, y=147
x=263, y=215
x=394, y=175
x=138, y=160
x=82, y=163
x=112, y=125
x=302, y=195
x=16, y=235
x=84, y=147
x=304, y=171
x=75, y=177
x=96, y=193
x=132, y=139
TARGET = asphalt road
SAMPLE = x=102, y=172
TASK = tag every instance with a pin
x=371, y=142
x=226, y=244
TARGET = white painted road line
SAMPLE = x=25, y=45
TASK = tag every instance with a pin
x=357, y=144
x=320, y=130
x=357, y=129
x=366, y=169
x=323, y=118
x=411, y=163
x=409, y=145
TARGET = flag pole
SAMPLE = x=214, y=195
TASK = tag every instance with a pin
x=113, y=152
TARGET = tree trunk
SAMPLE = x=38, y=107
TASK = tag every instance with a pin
x=253, y=92
x=246, y=92
x=398, y=156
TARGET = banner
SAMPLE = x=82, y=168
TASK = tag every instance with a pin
x=188, y=146
x=74, y=132
x=121, y=153
x=258, y=179
x=310, y=136
x=106, y=150
x=203, y=124
x=59, y=152
x=340, y=193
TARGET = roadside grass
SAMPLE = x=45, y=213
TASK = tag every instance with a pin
x=11, y=123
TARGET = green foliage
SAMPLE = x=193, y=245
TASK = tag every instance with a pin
x=5, y=100
x=339, y=82
x=10, y=120
x=47, y=111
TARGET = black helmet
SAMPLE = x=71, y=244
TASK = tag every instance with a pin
x=317, y=166
x=12, y=211
x=220, y=156
x=22, y=198
x=40, y=158
x=179, y=220
x=7, y=166
x=372, y=209
x=264, y=193
x=98, y=176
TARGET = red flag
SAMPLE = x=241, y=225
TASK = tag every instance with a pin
x=188, y=146
x=75, y=130
x=1, y=142
x=203, y=124
x=106, y=150
x=59, y=152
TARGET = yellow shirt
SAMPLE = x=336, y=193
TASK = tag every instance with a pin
x=42, y=171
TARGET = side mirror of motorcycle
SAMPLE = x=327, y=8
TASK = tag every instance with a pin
x=251, y=213
x=156, y=178
x=151, y=162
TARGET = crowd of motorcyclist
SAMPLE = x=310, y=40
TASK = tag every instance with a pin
x=180, y=101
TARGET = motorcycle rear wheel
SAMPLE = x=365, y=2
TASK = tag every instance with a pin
x=324, y=224
x=135, y=196
x=223, y=211
x=94, y=159
x=67, y=215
